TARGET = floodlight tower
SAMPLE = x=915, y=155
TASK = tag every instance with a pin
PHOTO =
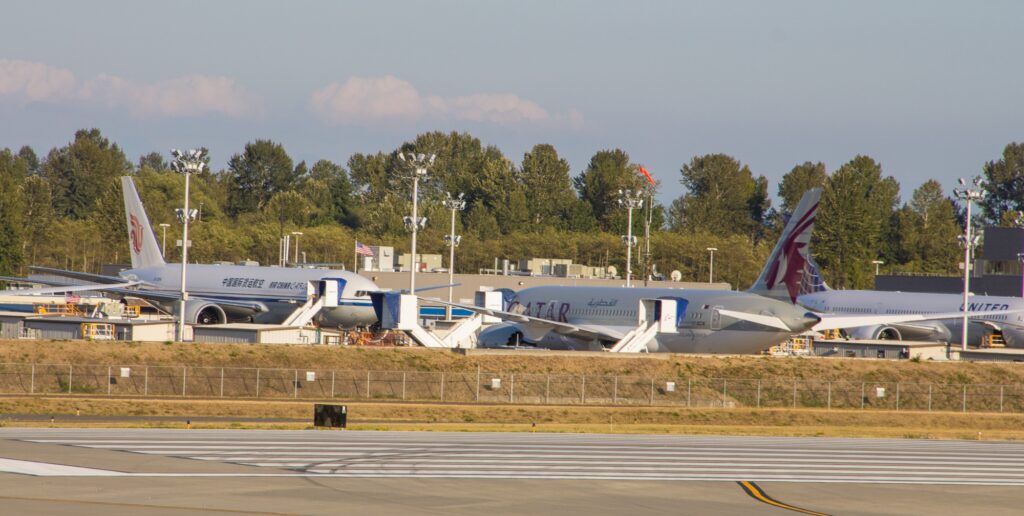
x=630, y=200
x=711, y=264
x=163, y=251
x=970, y=196
x=190, y=162
x=1018, y=220
x=418, y=163
x=297, y=235
x=455, y=204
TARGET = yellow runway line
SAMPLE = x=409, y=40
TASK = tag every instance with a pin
x=758, y=494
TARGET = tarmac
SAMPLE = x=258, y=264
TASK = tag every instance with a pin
x=128, y=471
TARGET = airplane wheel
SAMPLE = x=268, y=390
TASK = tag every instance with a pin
x=516, y=339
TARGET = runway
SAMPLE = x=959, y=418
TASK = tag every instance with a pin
x=912, y=474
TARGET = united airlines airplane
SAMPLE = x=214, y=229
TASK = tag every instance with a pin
x=990, y=314
x=220, y=293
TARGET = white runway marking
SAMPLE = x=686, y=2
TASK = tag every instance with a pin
x=563, y=456
x=44, y=469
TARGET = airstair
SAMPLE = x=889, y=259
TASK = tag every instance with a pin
x=401, y=312
x=655, y=316
x=319, y=295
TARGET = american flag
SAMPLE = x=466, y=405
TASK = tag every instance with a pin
x=363, y=249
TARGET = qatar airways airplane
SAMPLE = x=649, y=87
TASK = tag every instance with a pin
x=706, y=321
x=217, y=293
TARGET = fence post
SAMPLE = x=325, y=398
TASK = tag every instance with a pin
x=583, y=391
x=794, y=392
x=758, y=393
x=71, y=369
x=257, y=382
x=929, y=397
x=184, y=378
x=32, y=385
x=222, y=382
x=652, y=391
x=403, y=385
x=689, y=390
x=145, y=383
x=512, y=388
x=332, y=383
x=862, y=395
x=367, y=384
x=897, y=395
x=477, y=396
x=615, y=390
x=442, y=386
x=108, y=380
x=295, y=385
x=725, y=383
x=547, y=390
x=1000, y=398
x=964, y=407
x=829, y=395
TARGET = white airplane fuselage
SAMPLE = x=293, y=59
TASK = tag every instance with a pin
x=862, y=302
x=279, y=290
x=700, y=328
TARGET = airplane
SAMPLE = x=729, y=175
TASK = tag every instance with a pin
x=988, y=314
x=217, y=293
x=706, y=321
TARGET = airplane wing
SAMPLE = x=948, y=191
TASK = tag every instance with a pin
x=85, y=276
x=62, y=289
x=539, y=327
x=835, y=322
x=764, y=320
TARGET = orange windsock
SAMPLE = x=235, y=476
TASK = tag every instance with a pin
x=647, y=175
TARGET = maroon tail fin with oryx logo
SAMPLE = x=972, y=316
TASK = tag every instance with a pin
x=782, y=276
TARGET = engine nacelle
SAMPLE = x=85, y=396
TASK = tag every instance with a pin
x=204, y=312
x=879, y=332
x=501, y=335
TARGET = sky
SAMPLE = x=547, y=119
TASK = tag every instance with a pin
x=929, y=89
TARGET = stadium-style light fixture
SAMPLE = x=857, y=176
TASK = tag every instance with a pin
x=455, y=204
x=190, y=162
x=970, y=196
x=630, y=200
x=418, y=163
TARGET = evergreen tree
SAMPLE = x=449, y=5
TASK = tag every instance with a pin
x=262, y=170
x=928, y=231
x=1005, y=184
x=79, y=172
x=13, y=171
x=609, y=172
x=547, y=185
x=723, y=198
x=801, y=178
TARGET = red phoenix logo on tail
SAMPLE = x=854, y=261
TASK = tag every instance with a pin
x=136, y=234
x=792, y=258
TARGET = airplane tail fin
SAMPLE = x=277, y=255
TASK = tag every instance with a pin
x=784, y=273
x=141, y=239
x=812, y=281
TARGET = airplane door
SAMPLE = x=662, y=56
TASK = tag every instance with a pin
x=716, y=318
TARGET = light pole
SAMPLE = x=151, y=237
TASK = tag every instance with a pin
x=1019, y=221
x=630, y=200
x=877, y=263
x=163, y=251
x=455, y=204
x=711, y=265
x=419, y=163
x=967, y=241
x=188, y=163
x=297, y=235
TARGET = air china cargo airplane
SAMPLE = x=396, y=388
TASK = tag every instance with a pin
x=217, y=293
x=990, y=314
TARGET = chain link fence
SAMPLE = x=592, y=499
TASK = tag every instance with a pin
x=501, y=387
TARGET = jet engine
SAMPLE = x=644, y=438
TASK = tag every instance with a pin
x=204, y=312
x=879, y=332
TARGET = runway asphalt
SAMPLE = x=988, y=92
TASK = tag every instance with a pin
x=111, y=470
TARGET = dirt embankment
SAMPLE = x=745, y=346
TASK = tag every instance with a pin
x=419, y=359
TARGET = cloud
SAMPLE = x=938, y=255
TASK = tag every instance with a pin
x=34, y=82
x=363, y=100
x=193, y=95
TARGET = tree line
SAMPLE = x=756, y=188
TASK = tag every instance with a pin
x=65, y=209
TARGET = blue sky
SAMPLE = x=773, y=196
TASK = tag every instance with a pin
x=930, y=89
